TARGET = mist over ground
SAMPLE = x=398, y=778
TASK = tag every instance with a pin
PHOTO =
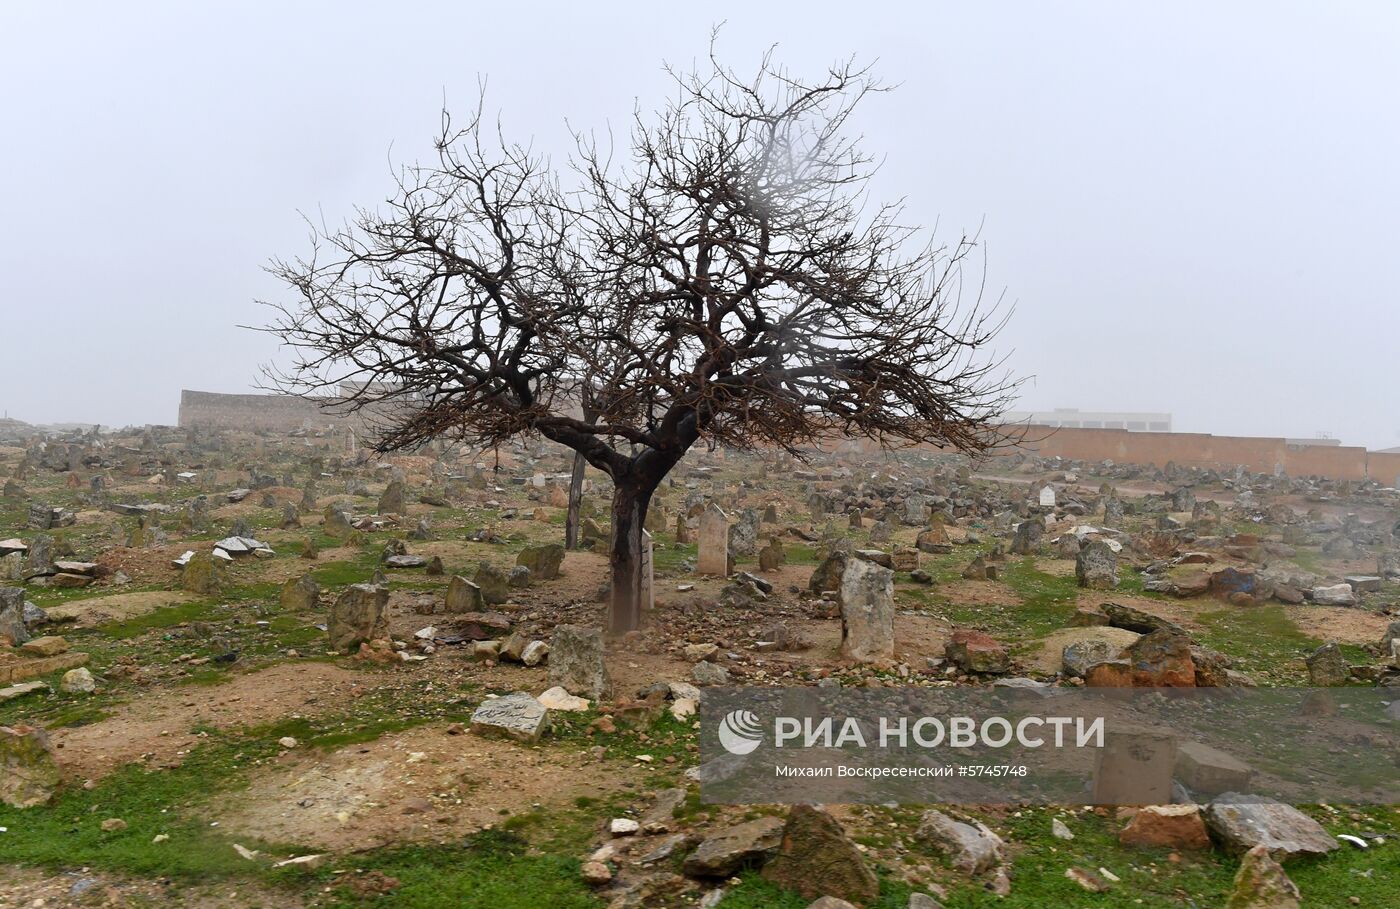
x=1191, y=219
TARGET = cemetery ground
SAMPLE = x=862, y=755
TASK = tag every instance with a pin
x=212, y=748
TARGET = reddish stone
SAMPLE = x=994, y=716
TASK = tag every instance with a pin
x=1162, y=659
x=1168, y=827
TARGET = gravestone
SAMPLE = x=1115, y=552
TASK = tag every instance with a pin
x=29, y=775
x=743, y=535
x=1026, y=540
x=494, y=583
x=337, y=522
x=714, y=542
x=40, y=517
x=1134, y=767
x=648, y=597
x=1327, y=666
x=463, y=596
x=358, y=616
x=517, y=716
x=13, y=629
x=39, y=559
x=1096, y=566
x=543, y=561
x=300, y=594
x=867, y=611
x=1047, y=497
x=771, y=557
x=392, y=499
x=576, y=662
x=201, y=574
x=12, y=567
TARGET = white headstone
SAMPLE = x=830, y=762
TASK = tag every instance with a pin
x=1047, y=496
x=648, y=576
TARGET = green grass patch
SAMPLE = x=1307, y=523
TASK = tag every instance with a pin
x=1262, y=640
x=493, y=868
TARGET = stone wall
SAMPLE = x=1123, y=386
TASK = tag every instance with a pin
x=1194, y=449
x=277, y=413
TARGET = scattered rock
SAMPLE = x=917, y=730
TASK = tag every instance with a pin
x=1241, y=822
x=816, y=858
x=1167, y=827
x=1262, y=884
x=29, y=775
x=971, y=849
x=732, y=849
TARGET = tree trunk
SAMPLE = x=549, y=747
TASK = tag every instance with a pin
x=575, y=498
x=629, y=511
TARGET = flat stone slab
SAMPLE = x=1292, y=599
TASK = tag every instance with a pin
x=1241, y=822
x=47, y=646
x=13, y=671
x=480, y=626
x=517, y=716
x=76, y=567
x=405, y=561
x=20, y=690
x=1209, y=771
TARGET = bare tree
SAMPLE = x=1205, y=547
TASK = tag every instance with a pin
x=725, y=280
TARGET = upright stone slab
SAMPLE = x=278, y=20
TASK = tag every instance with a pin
x=463, y=596
x=543, y=561
x=648, y=572
x=300, y=594
x=201, y=574
x=1327, y=666
x=392, y=499
x=743, y=535
x=494, y=583
x=358, y=616
x=576, y=662
x=817, y=859
x=13, y=629
x=867, y=611
x=1026, y=540
x=714, y=542
x=1047, y=497
x=1096, y=566
x=39, y=559
x=40, y=516
x=29, y=775
x=1135, y=768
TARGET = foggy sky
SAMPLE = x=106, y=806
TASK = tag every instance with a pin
x=1194, y=207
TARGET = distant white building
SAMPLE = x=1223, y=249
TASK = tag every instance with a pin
x=1073, y=418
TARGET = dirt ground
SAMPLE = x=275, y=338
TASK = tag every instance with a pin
x=157, y=726
x=423, y=784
